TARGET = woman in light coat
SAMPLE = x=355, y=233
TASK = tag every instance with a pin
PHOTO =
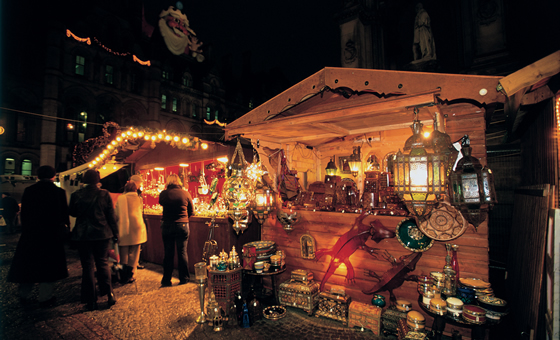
x=132, y=230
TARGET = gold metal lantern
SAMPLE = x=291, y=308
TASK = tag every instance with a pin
x=472, y=187
x=263, y=202
x=420, y=172
x=355, y=161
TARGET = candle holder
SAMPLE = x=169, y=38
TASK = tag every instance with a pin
x=202, y=277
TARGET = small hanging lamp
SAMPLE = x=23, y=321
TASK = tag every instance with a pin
x=263, y=203
x=472, y=187
x=331, y=168
x=355, y=161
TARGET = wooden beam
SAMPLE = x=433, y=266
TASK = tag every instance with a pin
x=394, y=103
x=532, y=74
x=537, y=96
x=332, y=128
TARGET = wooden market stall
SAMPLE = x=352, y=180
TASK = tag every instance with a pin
x=197, y=165
x=326, y=117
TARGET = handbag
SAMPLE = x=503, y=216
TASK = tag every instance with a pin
x=2, y=221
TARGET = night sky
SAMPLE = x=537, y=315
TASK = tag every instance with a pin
x=299, y=36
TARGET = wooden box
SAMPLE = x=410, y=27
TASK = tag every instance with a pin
x=302, y=275
x=333, y=305
x=299, y=294
x=390, y=319
x=364, y=315
x=225, y=284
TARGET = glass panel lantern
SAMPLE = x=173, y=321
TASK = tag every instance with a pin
x=472, y=187
x=331, y=168
x=355, y=161
x=419, y=172
x=263, y=203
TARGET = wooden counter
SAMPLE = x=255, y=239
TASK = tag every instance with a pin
x=225, y=236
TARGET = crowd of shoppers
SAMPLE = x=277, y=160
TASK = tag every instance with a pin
x=99, y=225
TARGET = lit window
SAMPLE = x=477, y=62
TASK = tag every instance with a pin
x=9, y=166
x=109, y=74
x=217, y=115
x=80, y=65
x=208, y=113
x=82, y=126
x=26, y=167
x=165, y=75
x=193, y=110
x=174, y=104
x=186, y=81
x=163, y=101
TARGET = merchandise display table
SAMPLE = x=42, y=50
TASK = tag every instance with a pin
x=272, y=276
x=478, y=331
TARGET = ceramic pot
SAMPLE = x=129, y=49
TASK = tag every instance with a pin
x=378, y=300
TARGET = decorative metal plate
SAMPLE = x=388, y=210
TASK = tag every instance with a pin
x=474, y=283
x=444, y=223
x=492, y=300
x=411, y=237
x=274, y=312
x=260, y=245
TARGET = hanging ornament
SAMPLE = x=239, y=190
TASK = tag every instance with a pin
x=238, y=191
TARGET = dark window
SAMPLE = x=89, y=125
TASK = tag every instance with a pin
x=186, y=81
x=165, y=75
x=163, y=101
x=108, y=74
x=80, y=65
x=193, y=110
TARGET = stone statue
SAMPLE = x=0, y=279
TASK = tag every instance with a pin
x=423, y=47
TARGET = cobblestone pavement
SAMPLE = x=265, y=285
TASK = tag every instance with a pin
x=144, y=310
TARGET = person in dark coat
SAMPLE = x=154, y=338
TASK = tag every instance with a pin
x=10, y=208
x=95, y=229
x=177, y=208
x=40, y=256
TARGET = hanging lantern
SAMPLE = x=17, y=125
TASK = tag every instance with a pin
x=472, y=187
x=263, y=203
x=355, y=161
x=238, y=192
x=331, y=168
x=419, y=172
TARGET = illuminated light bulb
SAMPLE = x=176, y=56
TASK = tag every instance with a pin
x=223, y=159
x=426, y=134
x=147, y=137
x=94, y=162
x=90, y=165
x=204, y=146
x=159, y=169
x=105, y=152
x=102, y=155
x=140, y=134
x=123, y=134
x=128, y=133
x=175, y=138
x=114, y=143
x=97, y=159
x=135, y=135
x=185, y=140
x=160, y=136
x=119, y=139
x=183, y=165
x=168, y=137
x=104, y=167
x=109, y=146
x=114, y=167
x=154, y=137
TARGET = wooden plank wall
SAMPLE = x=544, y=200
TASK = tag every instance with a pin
x=327, y=227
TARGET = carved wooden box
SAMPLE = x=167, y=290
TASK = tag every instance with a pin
x=333, y=306
x=390, y=320
x=364, y=315
x=299, y=294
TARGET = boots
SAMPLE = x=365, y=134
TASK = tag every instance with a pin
x=127, y=275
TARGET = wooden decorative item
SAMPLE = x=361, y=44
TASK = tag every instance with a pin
x=390, y=320
x=299, y=294
x=366, y=316
x=334, y=305
x=444, y=223
x=224, y=284
x=394, y=277
x=307, y=246
x=349, y=242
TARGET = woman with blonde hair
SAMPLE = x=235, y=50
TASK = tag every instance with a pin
x=132, y=230
x=177, y=208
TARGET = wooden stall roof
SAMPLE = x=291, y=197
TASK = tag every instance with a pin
x=340, y=102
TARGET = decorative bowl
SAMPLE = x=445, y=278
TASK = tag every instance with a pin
x=404, y=305
x=274, y=312
x=474, y=314
x=472, y=282
x=492, y=303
